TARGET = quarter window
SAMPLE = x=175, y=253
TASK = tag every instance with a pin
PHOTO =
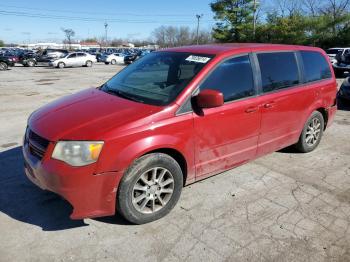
x=278, y=70
x=234, y=78
x=315, y=66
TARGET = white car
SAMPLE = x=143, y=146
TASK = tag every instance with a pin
x=115, y=58
x=333, y=52
x=74, y=59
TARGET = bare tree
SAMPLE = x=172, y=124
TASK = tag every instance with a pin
x=170, y=36
x=69, y=33
x=338, y=11
x=287, y=7
x=311, y=6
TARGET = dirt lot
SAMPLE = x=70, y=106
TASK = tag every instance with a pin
x=282, y=207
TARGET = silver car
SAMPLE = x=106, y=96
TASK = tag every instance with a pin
x=74, y=59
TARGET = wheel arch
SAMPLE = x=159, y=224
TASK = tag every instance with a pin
x=177, y=155
x=324, y=113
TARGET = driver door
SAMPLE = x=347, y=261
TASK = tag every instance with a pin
x=227, y=136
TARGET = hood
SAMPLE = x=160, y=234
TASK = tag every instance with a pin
x=88, y=115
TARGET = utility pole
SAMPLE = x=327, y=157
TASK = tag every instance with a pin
x=254, y=17
x=198, y=18
x=106, y=30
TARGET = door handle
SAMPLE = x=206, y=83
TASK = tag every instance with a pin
x=269, y=105
x=252, y=109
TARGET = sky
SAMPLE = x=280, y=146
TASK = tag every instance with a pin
x=23, y=21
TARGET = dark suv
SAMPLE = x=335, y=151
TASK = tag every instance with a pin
x=5, y=62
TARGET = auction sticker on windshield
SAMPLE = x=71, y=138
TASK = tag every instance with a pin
x=198, y=59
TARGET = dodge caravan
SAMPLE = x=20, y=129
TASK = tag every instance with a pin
x=174, y=117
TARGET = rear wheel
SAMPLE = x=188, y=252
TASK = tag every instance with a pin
x=61, y=65
x=3, y=66
x=106, y=63
x=311, y=134
x=150, y=188
x=113, y=62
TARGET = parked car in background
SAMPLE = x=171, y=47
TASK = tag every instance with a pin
x=333, y=52
x=343, y=63
x=73, y=60
x=175, y=117
x=128, y=59
x=115, y=58
x=28, y=58
x=344, y=91
x=13, y=57
x=5, y=62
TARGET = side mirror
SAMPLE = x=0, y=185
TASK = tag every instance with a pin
x=209, y=98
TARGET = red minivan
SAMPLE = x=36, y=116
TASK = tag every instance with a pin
x=175, y=117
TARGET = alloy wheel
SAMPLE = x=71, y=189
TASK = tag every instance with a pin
x=313, y=132
x=153, y=190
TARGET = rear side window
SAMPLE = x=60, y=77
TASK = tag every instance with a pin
x=278, y=70
x=233, y=78
x=315, y=66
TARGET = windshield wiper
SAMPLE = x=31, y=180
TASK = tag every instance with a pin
x=123, y=95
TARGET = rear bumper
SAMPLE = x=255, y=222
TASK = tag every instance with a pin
x=331, y=111
x=90, y=194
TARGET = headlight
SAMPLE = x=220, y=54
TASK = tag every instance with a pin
x=77, y=153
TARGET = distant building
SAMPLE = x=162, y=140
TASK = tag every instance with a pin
x=87, y=45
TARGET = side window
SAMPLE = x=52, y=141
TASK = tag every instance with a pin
x=278, y=70
x=315, y=66
x=234, y=78
x=72, y=56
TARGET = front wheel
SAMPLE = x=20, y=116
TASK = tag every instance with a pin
x=113, y=62
x=150, y=188
x=311, y=134
x=61, y=65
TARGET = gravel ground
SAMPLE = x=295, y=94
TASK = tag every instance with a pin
x=282, y=207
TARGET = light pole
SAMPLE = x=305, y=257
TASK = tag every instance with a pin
x=198, y=18
x=106, y=29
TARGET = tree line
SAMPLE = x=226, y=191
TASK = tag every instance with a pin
x=323, y=23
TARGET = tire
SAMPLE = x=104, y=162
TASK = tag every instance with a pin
x=113, y=62
x=3, y=66
x=88, y=63
x=61, y=65
x=135, y=196
x=106, y=63
x=312, y=133
x=30, y=63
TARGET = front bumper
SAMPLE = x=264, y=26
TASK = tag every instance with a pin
x=90, y=194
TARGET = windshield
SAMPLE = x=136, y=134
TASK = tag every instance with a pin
x=157, y=78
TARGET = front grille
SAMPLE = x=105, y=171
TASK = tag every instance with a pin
x=37, y=145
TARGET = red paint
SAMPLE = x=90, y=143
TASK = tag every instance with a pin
x=212, y=141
